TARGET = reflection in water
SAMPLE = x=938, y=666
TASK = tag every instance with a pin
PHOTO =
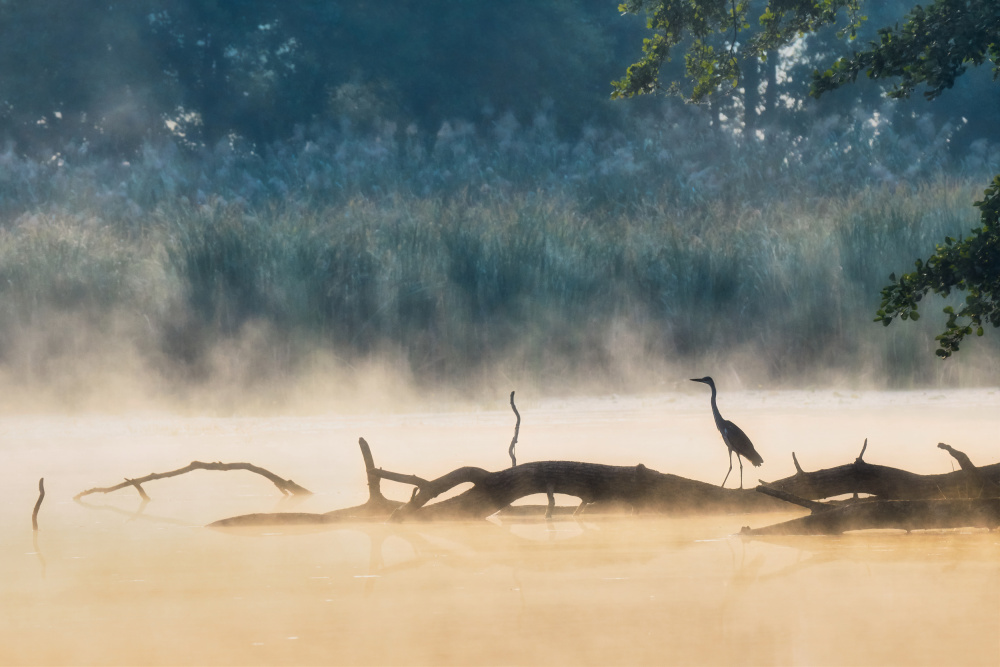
x=138, y=513
x=38, y=551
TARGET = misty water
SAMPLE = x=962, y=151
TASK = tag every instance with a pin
x=110, y=580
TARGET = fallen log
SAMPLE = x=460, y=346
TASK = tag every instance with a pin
x=908, y=515
x=882, y=481
x=600, y=488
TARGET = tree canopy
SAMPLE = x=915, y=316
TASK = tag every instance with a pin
x=931, y=47
x=117, y=74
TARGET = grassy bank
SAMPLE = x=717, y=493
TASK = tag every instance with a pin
x=174, y=275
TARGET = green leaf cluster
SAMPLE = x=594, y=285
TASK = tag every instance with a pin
x=933, y=46
x=716, y=34
x=971, y=265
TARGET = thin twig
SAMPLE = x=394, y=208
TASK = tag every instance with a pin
x=517, y=427
x=798, y=468
x=38, y=503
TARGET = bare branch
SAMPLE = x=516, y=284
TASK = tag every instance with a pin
x=798, y=468
x=517, y=427
x=862, y=454
x=286, y=486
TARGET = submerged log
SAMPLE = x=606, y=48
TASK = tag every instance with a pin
x=884, y=514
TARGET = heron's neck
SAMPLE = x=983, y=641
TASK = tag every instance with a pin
x=715, y=410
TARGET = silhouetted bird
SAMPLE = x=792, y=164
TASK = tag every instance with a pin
x=736, y=440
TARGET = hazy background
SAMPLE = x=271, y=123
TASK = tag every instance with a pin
x=260, y=205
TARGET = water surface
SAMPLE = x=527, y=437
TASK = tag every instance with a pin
x=115, y=581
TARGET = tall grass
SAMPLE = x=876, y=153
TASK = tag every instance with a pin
x=613, y=262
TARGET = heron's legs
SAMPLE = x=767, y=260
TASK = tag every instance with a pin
x=731, y=467
x=738, y=458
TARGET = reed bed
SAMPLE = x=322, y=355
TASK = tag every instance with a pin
x=473, y=259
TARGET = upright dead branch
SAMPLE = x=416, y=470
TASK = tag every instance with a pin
x=986, y=488
x=376, y=501
x=517, y=427
x=374, y=482
x=286, y=486
x=38, y=503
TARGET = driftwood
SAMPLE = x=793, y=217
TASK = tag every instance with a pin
x=910, y=507
x=286, y=486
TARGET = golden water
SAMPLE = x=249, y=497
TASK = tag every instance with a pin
x=110, y=581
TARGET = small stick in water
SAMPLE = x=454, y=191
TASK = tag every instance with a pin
x=38, y=503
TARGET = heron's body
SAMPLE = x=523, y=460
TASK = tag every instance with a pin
x=734, y=437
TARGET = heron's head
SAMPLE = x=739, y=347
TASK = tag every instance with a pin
x=706, y=380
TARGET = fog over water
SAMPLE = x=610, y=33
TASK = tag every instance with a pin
x=257, y=231
x=113, y=581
